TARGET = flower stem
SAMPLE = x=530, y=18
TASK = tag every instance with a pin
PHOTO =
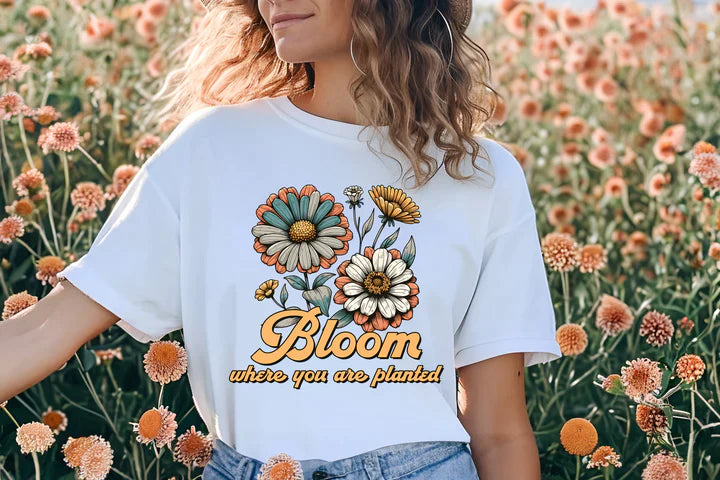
x=24, y=141
x=707, y=404
x=118, y=390
x=671, y=391
x=691, y=439
x=6, y=154
x=52, y=222
x=34, y=455
x=37, y=466
x=66, y=193
x=28, y=247
x=162, y=386
x=97, y=165
x=577, y=467
x=307, y=284
x=378, y=234
x=11, y=417
x=5, y=289
x=42, y=235
x=93, y=393
x=566, y=294
x=157, y=464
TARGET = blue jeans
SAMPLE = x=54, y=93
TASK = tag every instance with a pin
x=438, y=460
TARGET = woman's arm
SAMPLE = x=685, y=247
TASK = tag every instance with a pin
x=40, y=339
x=492, y=408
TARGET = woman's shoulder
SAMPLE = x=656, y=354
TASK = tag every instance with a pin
x=498, y=162
x=207, y=116
x=510, y=190
x=213, y=122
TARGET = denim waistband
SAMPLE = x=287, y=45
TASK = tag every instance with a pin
x=392, y=460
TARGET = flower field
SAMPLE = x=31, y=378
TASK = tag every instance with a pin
x=614, y=114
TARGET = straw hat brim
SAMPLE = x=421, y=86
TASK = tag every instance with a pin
x=461, y=10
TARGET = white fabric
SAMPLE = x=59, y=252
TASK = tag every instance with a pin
x=179, y=251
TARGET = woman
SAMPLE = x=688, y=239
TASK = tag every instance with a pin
x=331, y=312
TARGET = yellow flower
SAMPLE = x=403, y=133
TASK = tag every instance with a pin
x=395, y=204
x=266, y=289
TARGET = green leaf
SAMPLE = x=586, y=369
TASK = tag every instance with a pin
x=320, y=297
x=343, y=317
x=686, y=386
x=668, y=411
x=321, y=279
x=19, y=272
x=408, y=253
x=283, y=295
x=665, y=379
x=616, y=387
x=288, y=321
x=389, y=240
x=296, y=282
x=87, y=359
x=367, y=226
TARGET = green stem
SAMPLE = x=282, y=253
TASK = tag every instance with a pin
x=23, y=140
x=2, y=174
x=52, y=222
x=707, y=404
x=162, y=386
x=307, y=284
x=42, y=235
x=6, y=154
x=566, y=294
x=28, y=247
x=34, y=455
x=378, y=234
x=37, y=465
x=11, y=417
x=93, y=393
x=5, y=289
x=120, y=473
x=691, y=439
x=118, y=390
x=97, y=165
x=157, y=465
x=577, y=467
x=69, y=232
x=66, y=194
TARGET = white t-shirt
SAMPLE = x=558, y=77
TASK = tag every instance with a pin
x=240, y=195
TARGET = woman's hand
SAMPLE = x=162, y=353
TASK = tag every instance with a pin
x=41, y=338
x=492, y=408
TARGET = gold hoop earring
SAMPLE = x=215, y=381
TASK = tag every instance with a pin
x=352, y=55
x=447, y=24
x=452, y=46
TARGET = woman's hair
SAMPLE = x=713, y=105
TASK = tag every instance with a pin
x=408, y=85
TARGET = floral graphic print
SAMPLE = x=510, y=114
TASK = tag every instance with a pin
x=395, y=205
x=378, y=287
x=307, y=231
x=303, y=230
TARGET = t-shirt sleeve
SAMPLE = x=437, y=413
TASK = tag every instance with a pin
x=511, y=308
x=132, y=266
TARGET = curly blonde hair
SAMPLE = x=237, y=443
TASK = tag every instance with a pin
x=409, y=86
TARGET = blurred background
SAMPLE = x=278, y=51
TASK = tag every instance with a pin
x=612, y=109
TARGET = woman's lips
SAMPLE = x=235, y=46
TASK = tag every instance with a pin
x=287, y=23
